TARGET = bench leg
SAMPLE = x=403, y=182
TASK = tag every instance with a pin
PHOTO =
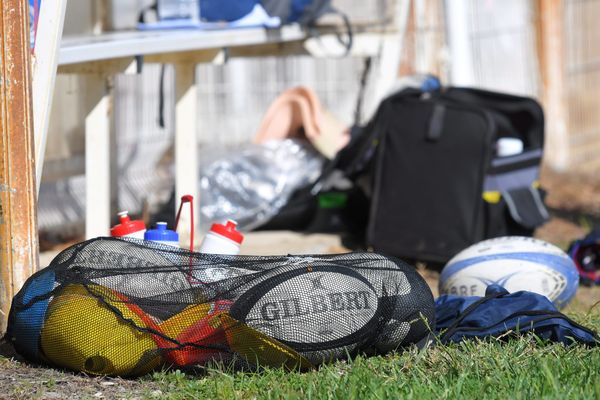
x=186, y=145
x=97, y=158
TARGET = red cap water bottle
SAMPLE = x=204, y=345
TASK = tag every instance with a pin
x=223, y=239
x=128, y=227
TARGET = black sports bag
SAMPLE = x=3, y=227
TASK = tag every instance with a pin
x=436, y=184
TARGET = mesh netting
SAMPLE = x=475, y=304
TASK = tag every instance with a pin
x=123, y=307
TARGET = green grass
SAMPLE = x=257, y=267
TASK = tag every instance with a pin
x=521, y=369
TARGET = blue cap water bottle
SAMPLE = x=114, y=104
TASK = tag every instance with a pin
x=162, y=235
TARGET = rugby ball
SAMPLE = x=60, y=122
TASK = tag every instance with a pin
x=516, y=263
x=323, y=312
x=85, y=334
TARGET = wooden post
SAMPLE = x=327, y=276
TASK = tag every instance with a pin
x=424, y=40
x=98, y=145
x=18, y=224
x=430, y=38
x=186, y=143
x=408, y=59
x=551, y=48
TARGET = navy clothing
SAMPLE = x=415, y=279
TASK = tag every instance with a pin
x=499, y=312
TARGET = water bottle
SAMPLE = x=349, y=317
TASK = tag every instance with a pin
x=171, y=280
x=128, y=228
x=162, y=235
x=223, y=239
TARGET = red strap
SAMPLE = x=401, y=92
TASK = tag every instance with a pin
x=188, y=198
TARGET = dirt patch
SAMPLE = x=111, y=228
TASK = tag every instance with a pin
x=574, y=194
x=587, y=300
x=20, y=380
x=561, y=232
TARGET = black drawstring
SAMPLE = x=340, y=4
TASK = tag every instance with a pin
x=161, y=97
x=142, y=16
x=362, y=89
x=452, y=328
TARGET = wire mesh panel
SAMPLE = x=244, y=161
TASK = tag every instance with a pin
x=232, y=99
x=142, y=143
x=362, y=12
x=501, y=47
x=116, y=307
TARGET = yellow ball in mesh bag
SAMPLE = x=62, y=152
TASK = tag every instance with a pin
x=83, y=334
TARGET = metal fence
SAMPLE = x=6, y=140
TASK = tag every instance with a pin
x=494, y=45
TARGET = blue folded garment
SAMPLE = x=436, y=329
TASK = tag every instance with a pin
x=258, y=17
x=225, y=10
x=500, y=313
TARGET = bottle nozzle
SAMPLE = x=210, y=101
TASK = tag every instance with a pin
x=123, y=216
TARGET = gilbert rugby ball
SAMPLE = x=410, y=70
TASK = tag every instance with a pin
x=516, y=263
x=320, y=311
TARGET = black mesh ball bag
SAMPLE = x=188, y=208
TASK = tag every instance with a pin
x=125, y=307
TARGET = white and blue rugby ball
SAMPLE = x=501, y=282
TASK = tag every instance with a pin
x=516, y=263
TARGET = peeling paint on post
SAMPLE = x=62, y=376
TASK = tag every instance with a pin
x=18, y=203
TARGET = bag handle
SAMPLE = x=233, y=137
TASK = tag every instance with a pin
x=436, y=123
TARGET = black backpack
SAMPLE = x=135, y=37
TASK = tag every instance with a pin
x=432, y=175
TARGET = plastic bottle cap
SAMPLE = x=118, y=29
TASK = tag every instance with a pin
x=509, y=146
x=161, y=233
x=228, y=230
x=127, y=226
